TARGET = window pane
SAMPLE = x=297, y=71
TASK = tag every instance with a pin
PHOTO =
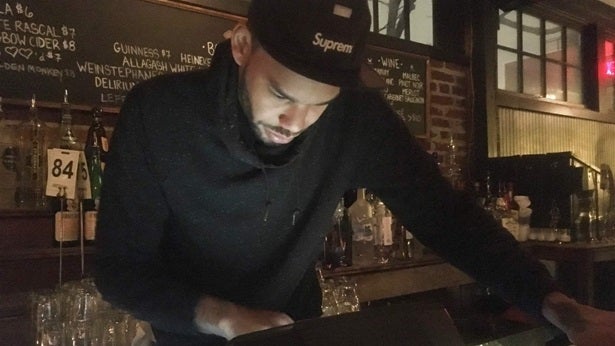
x=532, y=72
x=575, y=85
x=392, y=22
x=531, y=34
x=555, y=83
x=507, y=32
x=507, y=71
x=391, y=19
x=553, y=41
x=573, y=47
x=421, y=22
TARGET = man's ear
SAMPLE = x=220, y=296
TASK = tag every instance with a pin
x=241, y=44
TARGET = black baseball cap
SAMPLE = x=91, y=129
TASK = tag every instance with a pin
x=323, y=40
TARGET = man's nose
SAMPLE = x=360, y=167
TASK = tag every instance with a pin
x=294, y=118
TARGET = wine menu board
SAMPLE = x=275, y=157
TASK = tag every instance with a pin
x=98, y=50
x=406, y=85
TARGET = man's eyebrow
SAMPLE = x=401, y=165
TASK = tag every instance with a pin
x=281, y=92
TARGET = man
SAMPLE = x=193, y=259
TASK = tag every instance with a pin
x=221, y=184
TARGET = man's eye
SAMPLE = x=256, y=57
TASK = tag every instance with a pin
x=278, y=96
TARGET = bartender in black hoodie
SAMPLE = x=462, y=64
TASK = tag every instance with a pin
x=220, y=185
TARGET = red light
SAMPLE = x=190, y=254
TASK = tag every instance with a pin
x=610, y=68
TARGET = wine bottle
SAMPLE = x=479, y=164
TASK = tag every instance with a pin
x=97, y=130
x=67, y=221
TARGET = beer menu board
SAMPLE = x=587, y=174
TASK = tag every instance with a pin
x=406, y=85
x=98, y=50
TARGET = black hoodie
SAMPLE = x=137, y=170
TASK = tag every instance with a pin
x=189, y=207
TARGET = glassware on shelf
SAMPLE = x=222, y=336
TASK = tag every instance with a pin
x=586, y=220
x=76, y=314
x=346, y=295
x=329, y=302
x=452, y=168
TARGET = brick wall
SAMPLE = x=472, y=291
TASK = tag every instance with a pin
x=449, y=111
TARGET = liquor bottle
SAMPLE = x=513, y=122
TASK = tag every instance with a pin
x=346, y=232
x=66, y=138
x=30, y=192
x=97, y=130
x=361, y=219
x=335, y=246
x=91, y=205
x=67, y=211
x=96, y=146
x=383, y=239
x=8, y=151
x=510, y=210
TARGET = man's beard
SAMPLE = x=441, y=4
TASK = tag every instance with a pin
x=244, y=101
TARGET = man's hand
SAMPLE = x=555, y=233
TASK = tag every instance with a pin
x=584, y=325
x=226, y=319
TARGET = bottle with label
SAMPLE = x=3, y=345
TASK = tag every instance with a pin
x=97, y=130
x=31, y=168
x=361, y=219
x=90, y=206
x=383, y=239
x=67, y=221
x=65, y=140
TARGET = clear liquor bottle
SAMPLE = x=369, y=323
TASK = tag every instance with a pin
x=383, y=240
x=361, y=218
x=66, y=137
x=31, y=172
x=67, y=211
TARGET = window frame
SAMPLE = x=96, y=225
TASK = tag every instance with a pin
x=543, y=59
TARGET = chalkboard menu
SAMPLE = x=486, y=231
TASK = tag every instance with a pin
x=406, y=85
x=98, y=50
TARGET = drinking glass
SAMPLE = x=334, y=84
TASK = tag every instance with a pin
x=329, y=303
x=346, y=296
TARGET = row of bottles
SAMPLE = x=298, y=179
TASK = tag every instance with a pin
x=26, y=154
x=514, y=212
x=365, y=233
